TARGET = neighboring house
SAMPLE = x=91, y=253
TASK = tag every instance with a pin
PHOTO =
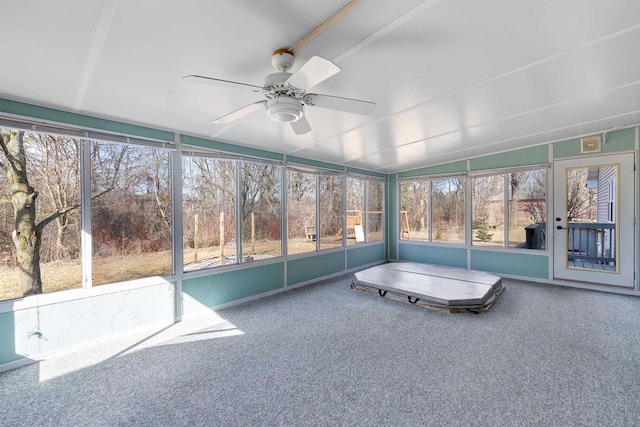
x=529, y=200
x=605, y=184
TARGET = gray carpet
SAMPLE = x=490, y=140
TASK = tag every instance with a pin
x=328, y=355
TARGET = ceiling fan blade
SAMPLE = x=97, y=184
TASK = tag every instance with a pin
x=301, y=126
x=341, y=104
x=235, y=115
x=312, y=72
x=217, y=82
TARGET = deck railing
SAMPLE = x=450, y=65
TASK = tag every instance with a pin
x=592, y=242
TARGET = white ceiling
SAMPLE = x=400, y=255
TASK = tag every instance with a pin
x=452, y=79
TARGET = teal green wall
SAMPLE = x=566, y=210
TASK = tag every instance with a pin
x=229, y=148
x=524, y=157
x=365, y=172
x=314, y=267
x=441, y=255
x=620, y=140
x=453, y=167
x=517, y=264
x=314, y=163
x=51, y=115
x=221, y=288
x=357, y=256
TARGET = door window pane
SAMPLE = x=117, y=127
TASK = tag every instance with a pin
x=591, y=234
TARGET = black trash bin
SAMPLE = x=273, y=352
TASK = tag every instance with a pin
x=535, y=233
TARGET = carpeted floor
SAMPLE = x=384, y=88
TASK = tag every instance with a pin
x=327, y=355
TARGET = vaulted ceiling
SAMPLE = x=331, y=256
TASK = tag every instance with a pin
x=452, y=79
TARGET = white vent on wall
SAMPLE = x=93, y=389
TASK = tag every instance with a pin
x=590, y=144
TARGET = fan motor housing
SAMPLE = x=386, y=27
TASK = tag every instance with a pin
x=282, y=59
x=284, y=109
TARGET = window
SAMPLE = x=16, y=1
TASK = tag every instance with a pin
x=432, y=210
x=487, y=197
x=261, y=199
x=527, y=214
x=375, y=196
x=364, y=201
x=301, y=212
x=330, y=211
x=45, y=169
x=447, y=198
x=130, y=212
x=208, y=211
x=415, y=220
x=355, y=210
x=523, y=222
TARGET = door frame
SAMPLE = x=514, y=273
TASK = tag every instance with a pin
x=625, y=222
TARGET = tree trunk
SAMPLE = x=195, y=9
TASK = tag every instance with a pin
x=27, y=239
x=514, y=180
x=62, y=223
x=26, y=235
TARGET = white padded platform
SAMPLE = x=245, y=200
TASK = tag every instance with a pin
x=432, y=285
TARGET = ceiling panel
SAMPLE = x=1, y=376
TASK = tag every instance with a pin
x=451, y=78
x=43, y=49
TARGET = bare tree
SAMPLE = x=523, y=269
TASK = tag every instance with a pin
x=51, y=160
x=26, y=234
x=536, y=197
x=55, y=162
x=514, y=187
x=579, y=197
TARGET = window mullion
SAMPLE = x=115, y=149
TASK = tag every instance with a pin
x=430, y=209
x=177, y=233
x=284, y=197
x=85, y=211
x=239, y=212
x=365, y=224
x=317, y=212
x=506, y=209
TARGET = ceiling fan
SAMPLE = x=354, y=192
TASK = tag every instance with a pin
x=286, y=93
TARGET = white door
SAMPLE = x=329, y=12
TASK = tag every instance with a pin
x=593, y=221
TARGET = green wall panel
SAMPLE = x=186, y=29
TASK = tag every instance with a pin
x=364, y=255
x=53, y=115
x=365, y=172
x=518, y=264
x=314, y=163
x=230, y=148
x=524, y=157
x=453, y=167
x=229, y=286
x=621, y=140
x=452, y=257
x=313, y=267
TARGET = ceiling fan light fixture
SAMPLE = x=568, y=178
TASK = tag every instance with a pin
x=284, y=109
